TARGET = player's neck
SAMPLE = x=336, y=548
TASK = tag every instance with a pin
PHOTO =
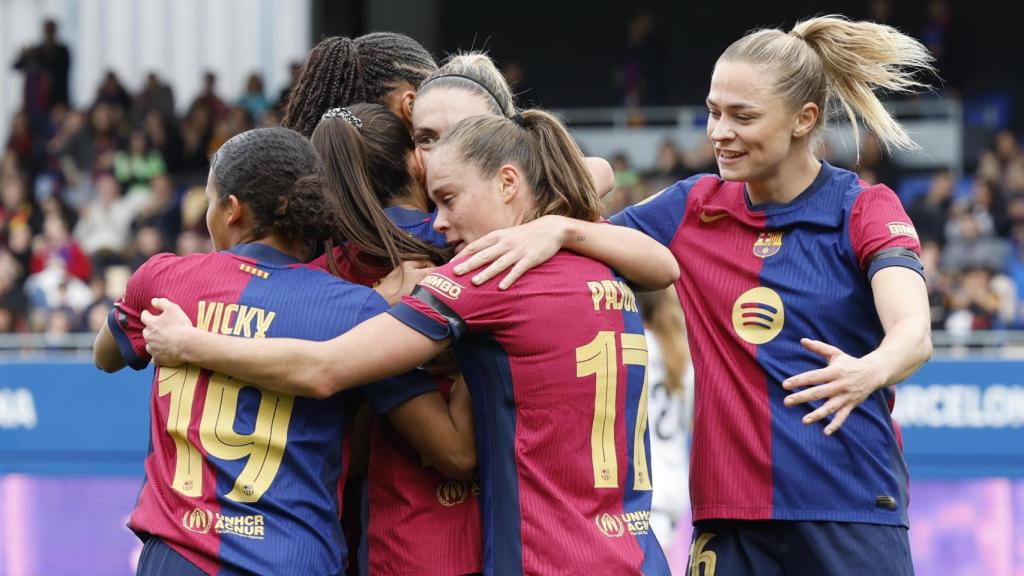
x=295, y=248
x=792, y=178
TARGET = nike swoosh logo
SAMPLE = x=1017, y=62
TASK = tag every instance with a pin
x=705, y=217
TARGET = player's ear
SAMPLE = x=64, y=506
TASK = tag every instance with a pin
x=806, y=119
x=405, y=103
x=234, y=209
x=510, y=182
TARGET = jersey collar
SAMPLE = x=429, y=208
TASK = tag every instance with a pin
x=263, y=254
x=819, y=182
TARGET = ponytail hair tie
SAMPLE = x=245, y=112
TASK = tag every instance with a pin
x=345, y=114
x=519, y=120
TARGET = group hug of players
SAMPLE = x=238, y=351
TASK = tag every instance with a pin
x=498, y=408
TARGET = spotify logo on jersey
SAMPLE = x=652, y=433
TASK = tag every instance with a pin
x=757, y=315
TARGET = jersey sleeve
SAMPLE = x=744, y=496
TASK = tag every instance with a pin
x=660, y=215
x=125, y=318
x=385, y=394
x=441, y=307
x=882, y=234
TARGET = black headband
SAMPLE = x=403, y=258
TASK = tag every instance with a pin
x=474, y=81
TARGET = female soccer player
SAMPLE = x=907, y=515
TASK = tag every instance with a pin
x=805, y=304
x=228, y=477
x=555, y=367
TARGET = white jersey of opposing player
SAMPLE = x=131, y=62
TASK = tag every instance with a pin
x=668, y=417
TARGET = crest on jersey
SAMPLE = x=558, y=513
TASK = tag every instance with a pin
x=768, y=244
x=451, y=492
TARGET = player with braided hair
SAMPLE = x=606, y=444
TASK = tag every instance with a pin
x=383, y=67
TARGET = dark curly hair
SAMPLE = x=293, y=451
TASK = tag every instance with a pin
x=276, y=173
x=340, y=71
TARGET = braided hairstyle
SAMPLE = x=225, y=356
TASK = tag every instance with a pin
x=340, y=71
x=275, y=172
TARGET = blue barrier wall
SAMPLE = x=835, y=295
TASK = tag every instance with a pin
x=73, y=439
x=960, y=418
x=70, y=418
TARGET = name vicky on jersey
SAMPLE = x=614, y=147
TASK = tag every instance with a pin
x=233, y=319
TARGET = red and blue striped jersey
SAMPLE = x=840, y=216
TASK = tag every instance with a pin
x=240, y=479
x=754, y=281
x=556, y=368
x=415, y=521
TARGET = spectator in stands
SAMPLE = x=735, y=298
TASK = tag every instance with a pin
x=875, y=165
x=209, y=99
x=112, y=92
x=974, y=304
x=46, y=67
x=971, y=242
x=13, y=304
x=196, y=134
x=20, y=142
x=929, y=212
x=103, y=229
x=155, y=96
x=139, y=164
x=668, y=167
x=295, y=68
x=56, y=242
x=161, y=211
x=254, y=100
x=164, y=136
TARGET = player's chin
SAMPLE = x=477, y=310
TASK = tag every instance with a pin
x=732, y=172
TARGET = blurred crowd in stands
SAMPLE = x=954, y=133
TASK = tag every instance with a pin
x=87, y=195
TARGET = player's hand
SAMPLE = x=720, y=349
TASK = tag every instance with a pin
x=402, y=280
x=166, y=333
x=520, y=247
x=843, y=384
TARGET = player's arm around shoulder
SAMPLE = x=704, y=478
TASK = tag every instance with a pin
x=107, y=354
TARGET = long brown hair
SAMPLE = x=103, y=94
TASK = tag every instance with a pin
x=365, y=223
x=550, y=160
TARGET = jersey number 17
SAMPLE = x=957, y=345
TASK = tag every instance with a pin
x=600, y=358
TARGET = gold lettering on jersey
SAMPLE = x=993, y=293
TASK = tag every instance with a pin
x=613, y=295
x=225, y=323
x=442, y=284
x=203, y=521
x=234, y=319
x=902, y=229
x=615, y=525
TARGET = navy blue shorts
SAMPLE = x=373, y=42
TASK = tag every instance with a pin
x=159, y=559
x=782, y=548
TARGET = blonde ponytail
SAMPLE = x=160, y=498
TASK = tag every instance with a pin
x=836, y=63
